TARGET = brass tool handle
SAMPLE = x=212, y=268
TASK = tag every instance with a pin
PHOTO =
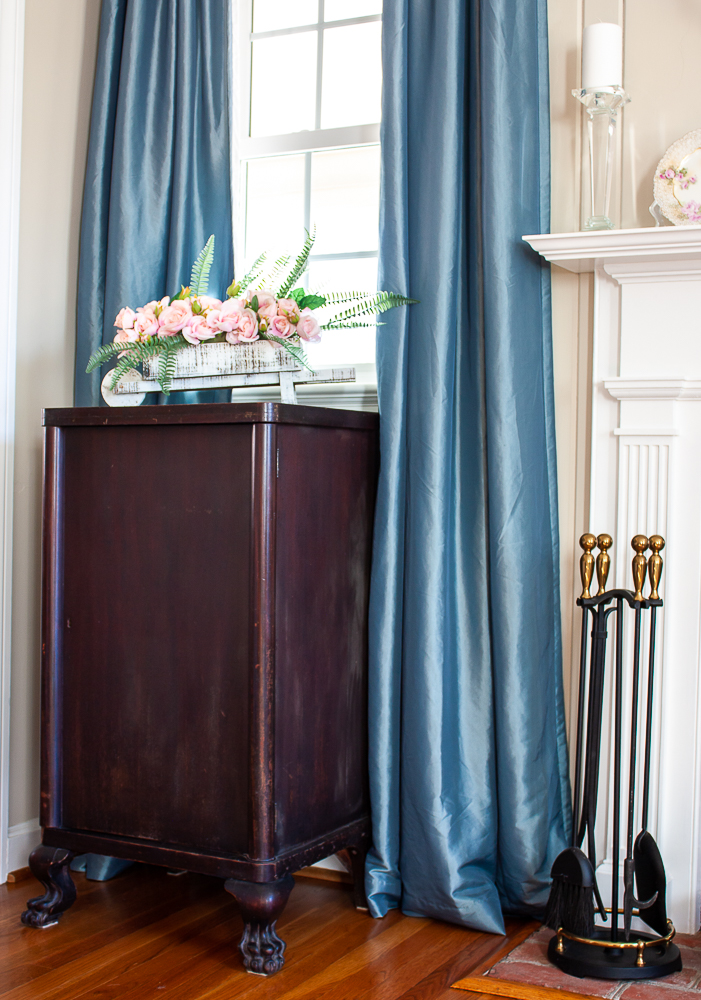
x=640, y=544
x=655, y=564
x=586, y=563
x=603, y=562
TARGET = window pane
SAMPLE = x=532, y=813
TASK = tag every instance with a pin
x=339, y=10
x=342, y=347
x=274, y=206
x=283, y=89
x=269, y=15
x=345, y=202
x=352, y=75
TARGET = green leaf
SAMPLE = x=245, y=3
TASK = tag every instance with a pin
x=300, y=265
x=297, y=294
x=199, y=279
x=292, y=347
x=254, y=303
x=312, y=301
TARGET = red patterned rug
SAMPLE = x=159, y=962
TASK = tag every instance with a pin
x=528, y=965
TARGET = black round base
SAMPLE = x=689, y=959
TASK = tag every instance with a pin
x=590, y=960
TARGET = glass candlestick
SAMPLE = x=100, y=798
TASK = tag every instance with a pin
x=602, y=104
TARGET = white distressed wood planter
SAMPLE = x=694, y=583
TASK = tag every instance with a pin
x=222, y=366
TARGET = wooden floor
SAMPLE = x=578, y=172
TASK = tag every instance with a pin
x=148, y=934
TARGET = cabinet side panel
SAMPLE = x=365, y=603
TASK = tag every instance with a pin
x=156, y=633
x=325, y=504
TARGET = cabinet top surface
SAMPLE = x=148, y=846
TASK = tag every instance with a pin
x=209, y=413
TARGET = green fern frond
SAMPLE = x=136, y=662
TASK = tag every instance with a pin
x=268, y=280
x=137, y=353
x=103, y=354
x=199, y=279
x=251, y=276
x=292, y=347
x=371, y=305
x=120, y=369
x=166, y=369
x=340, y=298
x=300, y=265
x=348, y=325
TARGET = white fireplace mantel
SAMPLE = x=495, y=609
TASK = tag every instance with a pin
x=646, y=478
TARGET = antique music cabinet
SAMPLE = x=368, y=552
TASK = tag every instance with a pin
x=205, y=598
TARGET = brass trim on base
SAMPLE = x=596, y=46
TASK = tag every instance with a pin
x=640, y=943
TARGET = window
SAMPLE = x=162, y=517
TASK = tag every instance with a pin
x=309, y=82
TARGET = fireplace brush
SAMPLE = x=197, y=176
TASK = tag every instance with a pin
x=580, y=947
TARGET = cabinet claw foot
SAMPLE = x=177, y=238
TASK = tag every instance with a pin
x=261, y=905
x=50, y=866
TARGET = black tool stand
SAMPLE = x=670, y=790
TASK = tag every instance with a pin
x=646, y=956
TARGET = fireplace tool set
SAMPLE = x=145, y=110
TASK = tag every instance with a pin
x=614, y=950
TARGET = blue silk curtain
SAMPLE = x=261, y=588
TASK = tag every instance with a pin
x=468, y=759
x=158, y=179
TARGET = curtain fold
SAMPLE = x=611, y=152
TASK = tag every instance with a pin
x=468, y=756
x=158, y=177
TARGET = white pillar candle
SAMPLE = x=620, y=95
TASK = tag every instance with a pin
x=602, y=56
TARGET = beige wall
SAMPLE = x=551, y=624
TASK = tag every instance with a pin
x=662, y=74
x=59, y=68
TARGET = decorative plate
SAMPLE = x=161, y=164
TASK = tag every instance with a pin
x=677, y=184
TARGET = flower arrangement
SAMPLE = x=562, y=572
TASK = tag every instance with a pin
x=260, y=306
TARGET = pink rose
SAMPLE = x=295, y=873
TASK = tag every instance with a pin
x=125, y=318
x=174, y=317
x=232, y=337
x=218, y=323
x=124, y=336
x=280, y=326
x=308, y=327
x=146, y=322
x=289, y=309
x=267, y=303
x=226, y=319
x=248, y=326
x=197, y=330
x=669, y=173
x=209, y=302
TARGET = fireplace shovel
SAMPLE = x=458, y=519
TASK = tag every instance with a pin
x=649, y=870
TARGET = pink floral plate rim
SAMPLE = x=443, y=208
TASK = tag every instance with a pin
x=690, y=214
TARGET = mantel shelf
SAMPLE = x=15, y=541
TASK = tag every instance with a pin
x=586, y=251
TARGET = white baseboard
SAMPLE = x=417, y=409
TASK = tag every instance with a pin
x=21, y=841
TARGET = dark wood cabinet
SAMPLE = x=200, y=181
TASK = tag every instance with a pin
x=206, y=575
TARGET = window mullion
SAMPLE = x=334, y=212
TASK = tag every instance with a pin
x=308, y=191
x=319, y=64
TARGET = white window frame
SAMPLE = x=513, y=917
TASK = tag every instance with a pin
x=245, y=148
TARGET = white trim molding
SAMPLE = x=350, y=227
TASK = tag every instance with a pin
x=654, y=388
x=11, y=70
x=21, y=841
x=581, y=251
x=645, y=477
